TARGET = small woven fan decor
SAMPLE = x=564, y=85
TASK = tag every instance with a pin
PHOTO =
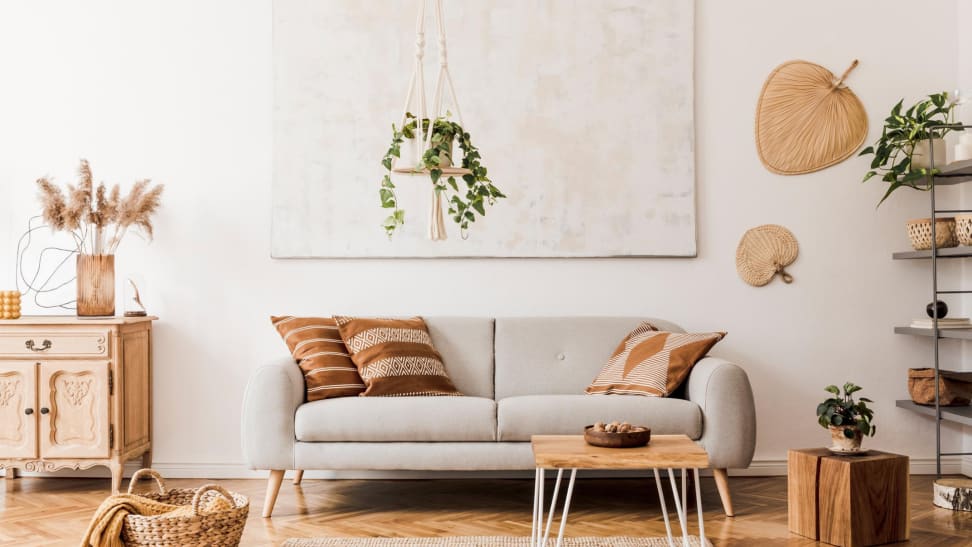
x=807, y=119
x=763, y=252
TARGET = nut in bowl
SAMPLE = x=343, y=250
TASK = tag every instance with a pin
x=617, y=435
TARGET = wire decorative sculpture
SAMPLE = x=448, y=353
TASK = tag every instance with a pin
x=42, y=281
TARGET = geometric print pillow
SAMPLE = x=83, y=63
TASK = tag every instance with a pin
x=652, y=363
x=319, y=351
x=395, y=357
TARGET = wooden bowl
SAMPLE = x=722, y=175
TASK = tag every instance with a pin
x=630, y=439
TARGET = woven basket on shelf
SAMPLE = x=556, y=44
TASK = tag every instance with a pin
x=963, y=229
x=920, y=233
x=218, y=528
x=954, y=388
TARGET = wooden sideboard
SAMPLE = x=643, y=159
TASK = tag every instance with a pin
x=75, y=393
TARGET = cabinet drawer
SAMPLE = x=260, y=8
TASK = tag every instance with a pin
x=54, y=343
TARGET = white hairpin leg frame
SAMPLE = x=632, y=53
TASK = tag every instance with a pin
x=540, y=532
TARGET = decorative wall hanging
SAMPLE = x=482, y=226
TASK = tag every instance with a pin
x=604, y=170
x=765, y=251
x=807, y=119
x=429, y=151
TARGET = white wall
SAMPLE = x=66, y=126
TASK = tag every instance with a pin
x=180, y=91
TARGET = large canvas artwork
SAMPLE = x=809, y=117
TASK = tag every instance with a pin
x=583, y=111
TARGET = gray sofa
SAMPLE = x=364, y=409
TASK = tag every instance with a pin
x=521, y=376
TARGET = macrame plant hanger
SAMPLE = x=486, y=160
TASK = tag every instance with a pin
x=437, y=230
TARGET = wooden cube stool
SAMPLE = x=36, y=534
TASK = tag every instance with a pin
x=848, y=500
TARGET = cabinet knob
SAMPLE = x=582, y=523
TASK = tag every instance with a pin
x=28, y=411
x=44, y=410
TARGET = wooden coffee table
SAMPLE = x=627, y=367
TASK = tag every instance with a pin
x=571, y=452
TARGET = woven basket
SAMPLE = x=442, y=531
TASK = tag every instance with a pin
x=920, y=233
x=954, y=388
x=963, y=229
x=217, y=529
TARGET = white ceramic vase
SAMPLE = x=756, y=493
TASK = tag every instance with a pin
x=842, y=441
x=921, y=158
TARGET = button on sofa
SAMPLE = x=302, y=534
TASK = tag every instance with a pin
x=520, y=376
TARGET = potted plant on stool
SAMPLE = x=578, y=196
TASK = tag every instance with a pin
x=847, y=420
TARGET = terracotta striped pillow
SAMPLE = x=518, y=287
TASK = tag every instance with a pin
x=317, y=346
x=395, y=357
x=652, y=362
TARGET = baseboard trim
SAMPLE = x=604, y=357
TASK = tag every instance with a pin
x=759, y=468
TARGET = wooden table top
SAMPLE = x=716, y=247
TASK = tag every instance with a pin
x=570, y=451
x=61, y=320
x=871, y=456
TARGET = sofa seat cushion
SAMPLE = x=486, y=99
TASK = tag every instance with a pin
x=523, y=416
x=397, y=419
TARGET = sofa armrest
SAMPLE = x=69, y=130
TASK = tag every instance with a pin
x=723, y=392
x=272, y=396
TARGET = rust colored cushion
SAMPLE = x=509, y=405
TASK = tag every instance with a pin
x=652, y=362
x=317, y=346
x=395, y=357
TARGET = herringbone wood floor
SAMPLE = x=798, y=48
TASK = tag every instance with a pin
x=55, y=511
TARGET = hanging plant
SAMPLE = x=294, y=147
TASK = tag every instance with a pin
x=467, y=199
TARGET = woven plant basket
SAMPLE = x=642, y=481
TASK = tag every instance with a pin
x=963, y=229
x=763, y=252
x=807, y=119
x=218, y=528
x=920, y=233
x=954, y=388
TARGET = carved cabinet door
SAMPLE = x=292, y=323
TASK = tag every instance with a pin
x=74, y=409
x=18, y=409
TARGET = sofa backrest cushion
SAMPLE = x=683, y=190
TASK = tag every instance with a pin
x=466, y=346
x=557, y=355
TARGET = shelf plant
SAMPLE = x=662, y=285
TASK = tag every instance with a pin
x=465, y=201
x=848, y=420
x=895, y=157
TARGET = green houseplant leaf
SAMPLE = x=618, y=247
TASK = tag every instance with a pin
x=930, y=118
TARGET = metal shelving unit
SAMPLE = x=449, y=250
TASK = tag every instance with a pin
x=955, y=173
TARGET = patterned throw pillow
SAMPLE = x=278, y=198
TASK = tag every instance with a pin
x=317, y=346
x=395, y=357
x=652, y=362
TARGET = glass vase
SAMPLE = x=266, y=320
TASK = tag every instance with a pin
x=96, y=285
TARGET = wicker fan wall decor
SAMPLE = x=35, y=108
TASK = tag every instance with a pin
x=807, y=119
x=765, y=251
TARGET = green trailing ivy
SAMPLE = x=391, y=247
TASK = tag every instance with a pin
x=841, y=410
x=467, y=200
x=931, y=118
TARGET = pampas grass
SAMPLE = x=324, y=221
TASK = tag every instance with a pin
x=98, y=218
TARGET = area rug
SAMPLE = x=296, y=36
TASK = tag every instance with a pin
x=488, y=541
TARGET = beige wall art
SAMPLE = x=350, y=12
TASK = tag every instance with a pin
x=583, y=113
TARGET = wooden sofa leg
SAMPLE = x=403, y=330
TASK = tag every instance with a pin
x=298, y=476
x=722, y=483
x=273, y=487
